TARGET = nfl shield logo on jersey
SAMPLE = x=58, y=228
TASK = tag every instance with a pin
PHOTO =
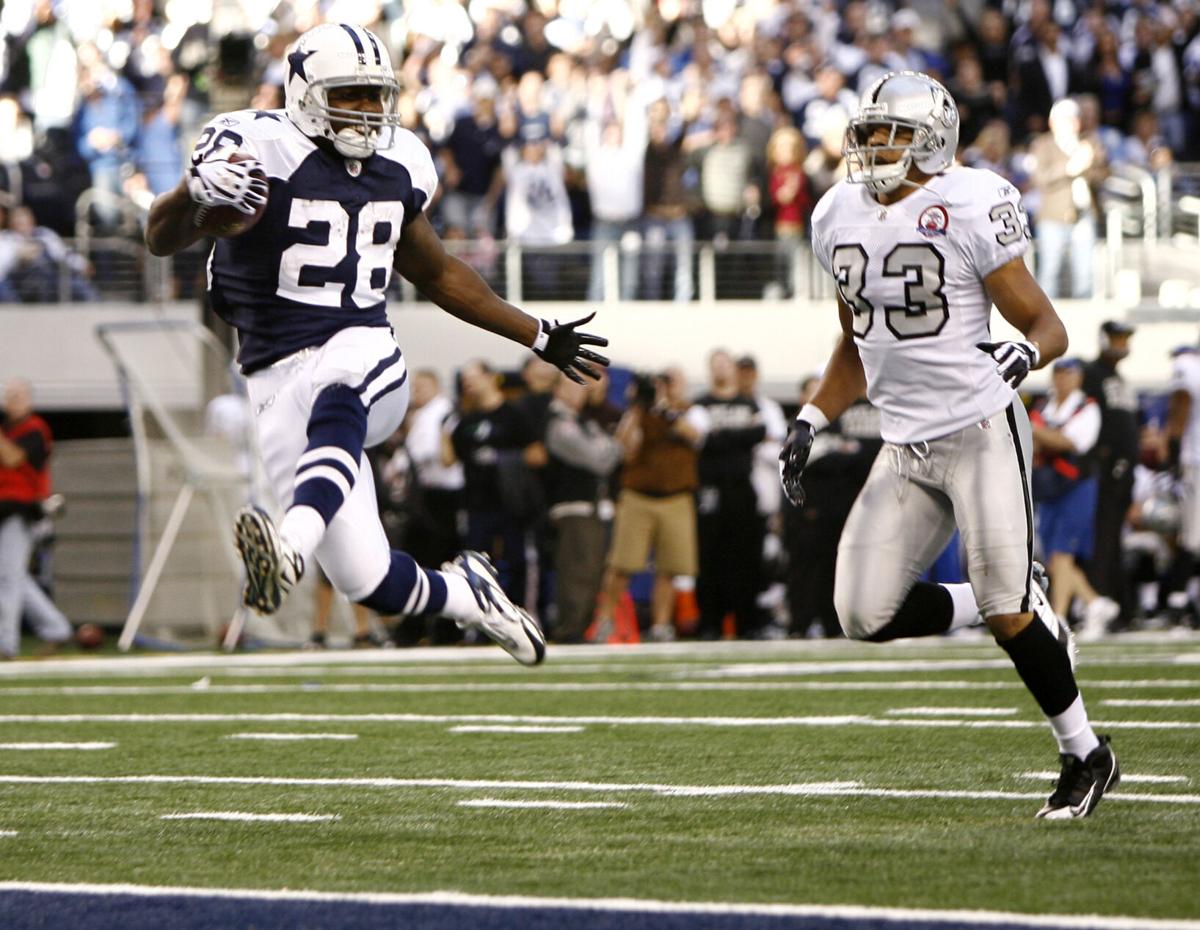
x=933, y=221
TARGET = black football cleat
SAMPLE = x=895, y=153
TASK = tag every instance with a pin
x=1082, y=783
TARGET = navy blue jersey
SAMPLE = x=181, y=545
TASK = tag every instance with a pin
x=320, y=258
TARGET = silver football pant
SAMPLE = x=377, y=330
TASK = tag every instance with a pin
x=977, y=480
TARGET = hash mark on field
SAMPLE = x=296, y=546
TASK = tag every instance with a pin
x=547, y=805
x=952, y=711
x=239, y=816
x=1126, y=777
x=502, y=728
x=8, y=832
x=288, y=737
x=1152, y=702
x=25, y=747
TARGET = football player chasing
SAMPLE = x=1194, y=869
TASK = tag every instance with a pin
x=333, y=193
x=920, y=249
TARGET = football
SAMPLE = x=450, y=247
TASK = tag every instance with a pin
x=229, y=221
x=89, y=636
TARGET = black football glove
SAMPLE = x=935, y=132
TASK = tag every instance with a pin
x=1014, y=360
x=561, y=346
x=792, y=459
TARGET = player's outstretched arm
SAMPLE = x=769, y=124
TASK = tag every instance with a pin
x=1021, y=301
x=171, y=226
x=458, y=289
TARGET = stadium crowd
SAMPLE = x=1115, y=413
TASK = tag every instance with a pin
x=615, y=121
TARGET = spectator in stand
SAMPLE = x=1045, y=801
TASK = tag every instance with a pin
x=1112, y=83
x=25, y=444
x=490, y=439
x=615, y=154
x=791, y=200
x=978, y=103
x=664, y=199
x=1145, y=147
x=156, y=151
x=730, y=528
x=1045, y=76
x=36, y=266
x=538, y=211
x=1116, y=454
x=727, y=183
x=656, y=510
x=106, y=126
x=42, y=63
x=471, y=177
x=833, y=103
x=992, y=151
x=881, y=58
x=582, y=456
x=433, y=530
x=1183, y=459
x=1067, y=168
x=1065, y=431
x=1154, y=68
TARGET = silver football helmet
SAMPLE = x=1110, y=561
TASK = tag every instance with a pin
x=339, y=55
x=901, y=102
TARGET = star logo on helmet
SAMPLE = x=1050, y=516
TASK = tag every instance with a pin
x=296, y=64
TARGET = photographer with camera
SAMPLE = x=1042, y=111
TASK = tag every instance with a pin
x=25, y=443
x=660, y=434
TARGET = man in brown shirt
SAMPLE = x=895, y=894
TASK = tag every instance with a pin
x=660, y=433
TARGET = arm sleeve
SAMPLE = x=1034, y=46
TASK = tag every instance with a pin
x=596, y=452
x=222, y=136
x=1083, y=429
x=998, y=231
x=35, y=449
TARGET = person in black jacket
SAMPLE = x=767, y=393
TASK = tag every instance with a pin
x=1115, y=454
x=730, y=527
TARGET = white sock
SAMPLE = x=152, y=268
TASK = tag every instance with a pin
x=302, y=529
x=966, y=611
x=460, y=601
x=1073, y=732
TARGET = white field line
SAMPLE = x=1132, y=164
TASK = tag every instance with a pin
x=8, y=832
x=481, y=728
x=843, y=720
x=1126, y=778
x=543, y=805
x=1156, y=702
x=31, y=747
x=952, y=711
x=574, y=686
x=812, y=789
x=900, y=916
x=293, y=737
x=264, y=818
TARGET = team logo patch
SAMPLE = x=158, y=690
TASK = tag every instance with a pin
x=933, y=221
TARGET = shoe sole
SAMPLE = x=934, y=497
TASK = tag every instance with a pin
x=256, y=545
x=481, y=566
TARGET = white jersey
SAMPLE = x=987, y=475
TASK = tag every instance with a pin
x=912, y=273
x=1185, y=376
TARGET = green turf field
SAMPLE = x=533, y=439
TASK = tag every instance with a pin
x=822, y=773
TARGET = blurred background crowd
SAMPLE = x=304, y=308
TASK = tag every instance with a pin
x=643, y=123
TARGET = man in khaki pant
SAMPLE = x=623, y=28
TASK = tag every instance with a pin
x=656, y=509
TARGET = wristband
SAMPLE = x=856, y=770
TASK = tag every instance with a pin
x=812, y=414
x=542, y=337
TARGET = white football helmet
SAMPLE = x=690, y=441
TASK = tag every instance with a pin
x=901, y=100
x=340, y=55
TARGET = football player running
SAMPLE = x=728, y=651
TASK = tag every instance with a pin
x=339, y=190
x=920, y=249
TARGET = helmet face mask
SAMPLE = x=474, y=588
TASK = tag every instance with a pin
x=920, y=120
x=335, y=56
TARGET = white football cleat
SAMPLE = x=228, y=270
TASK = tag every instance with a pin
x=503, y=621
x=1040, y=605
x=1097, y=617
x=273, y=568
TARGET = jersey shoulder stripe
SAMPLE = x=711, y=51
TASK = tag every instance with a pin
x=408, y=151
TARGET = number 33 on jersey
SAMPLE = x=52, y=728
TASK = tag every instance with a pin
x=912, y=274
x=321, y=257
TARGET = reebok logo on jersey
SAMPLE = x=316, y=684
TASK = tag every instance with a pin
x=933, y=221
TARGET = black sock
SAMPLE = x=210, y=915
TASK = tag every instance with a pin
x=1044, y=666
x=927, y=611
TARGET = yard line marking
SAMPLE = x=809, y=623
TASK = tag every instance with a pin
x=1126, y=777
x=578, y=686
x=861, y=913
x=1156, y=702
x=833, y=720
x=8, y=832
x=501, y=728
x=84, y=747
x=815, y=789
x=239, y=816
x=288, y=737
x=547, y=805
x=952, y=711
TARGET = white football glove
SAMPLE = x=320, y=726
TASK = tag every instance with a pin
x=219, y=182
x=1014, y=360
